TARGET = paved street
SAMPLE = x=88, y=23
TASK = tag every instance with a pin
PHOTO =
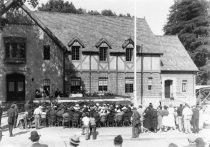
x=58, y=137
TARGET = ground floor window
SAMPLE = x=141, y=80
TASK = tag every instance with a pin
x=129, y=85
x=150, y=83
x=46, y=87
x=75, y=85
x=102, y=84
x=184, y=85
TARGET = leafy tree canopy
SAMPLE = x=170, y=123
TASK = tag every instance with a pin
x=189, y=19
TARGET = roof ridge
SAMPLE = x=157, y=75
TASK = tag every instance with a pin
x=130, y=18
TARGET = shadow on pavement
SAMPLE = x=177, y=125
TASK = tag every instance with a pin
x=20, y=133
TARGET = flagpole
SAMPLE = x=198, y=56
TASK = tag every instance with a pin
x=135, y=87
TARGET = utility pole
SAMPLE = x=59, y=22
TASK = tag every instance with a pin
x=135, y=87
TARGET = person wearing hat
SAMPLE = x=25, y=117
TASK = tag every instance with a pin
x=118, y=140
x=11, y=119
x=74, y=141
x=35, y=139
x=136, y=124
x=37, y=116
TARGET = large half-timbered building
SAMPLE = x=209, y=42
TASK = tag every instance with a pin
x=92, y=54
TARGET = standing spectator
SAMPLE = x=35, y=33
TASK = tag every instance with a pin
x=160, y=117
x=195, y=119
x=180, y=118
x=35, y=139
x=135, y=120
x=1, y=112
x=171, y=118
x=37, y=116
x=11, y=119
x=16, y=115
x=141, y=113
x=57, y=93
x=93, y=126
x=165, y=118
x=118, y=141
x=74, y=141
x=86, y=123
x=148, y=118
x=187, y=115
x=0, y=134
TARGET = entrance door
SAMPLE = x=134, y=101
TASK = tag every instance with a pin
x=168, y=88
x=15, y=87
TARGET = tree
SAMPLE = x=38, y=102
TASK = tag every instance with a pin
x=91, y=12
x=59, y=6
x=189, y=20
x=108, y=13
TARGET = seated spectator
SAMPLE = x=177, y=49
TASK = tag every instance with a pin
x=35, y=139
x=74, y=141
x=118, y=141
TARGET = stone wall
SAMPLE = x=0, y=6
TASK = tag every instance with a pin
x=35, y=69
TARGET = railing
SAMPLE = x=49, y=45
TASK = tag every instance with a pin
x=15, y=60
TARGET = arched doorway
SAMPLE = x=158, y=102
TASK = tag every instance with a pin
x=15, y=87
x=168, y=88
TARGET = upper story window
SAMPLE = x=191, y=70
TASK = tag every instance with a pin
x=75, y=52
x=128, y=45
x=129, y=54
x=46, y=52
x=103, y=54
x=15, y=49
x=76, y=46
x=103, y=45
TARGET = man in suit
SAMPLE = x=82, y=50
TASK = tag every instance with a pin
x=35, y=139
x=11, y=119
x=195, y=119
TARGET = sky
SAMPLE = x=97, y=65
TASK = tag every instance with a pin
x=154, y=11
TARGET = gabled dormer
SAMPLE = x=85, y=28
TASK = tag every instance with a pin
x=75, y=46
x=103, y=45
x=128, y=45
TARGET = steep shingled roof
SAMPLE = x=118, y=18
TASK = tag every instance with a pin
x=175, y=57
x=90, y=29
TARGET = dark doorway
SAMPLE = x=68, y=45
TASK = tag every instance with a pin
x=15, y=87
x=168, y=88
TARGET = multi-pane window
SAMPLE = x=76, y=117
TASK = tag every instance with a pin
x=184, y=85
x=75, y=85
x=75, y=52
x=150, y=83
x=46, y=52
x=129, y=85
x=129, y=54
x=15, y=49
x=103, y=53
x=102, y=84
x=46, y=83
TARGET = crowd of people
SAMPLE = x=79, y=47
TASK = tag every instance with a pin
x=184, y=118
x=163, y=118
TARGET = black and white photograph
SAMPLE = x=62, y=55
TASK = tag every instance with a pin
x=104, y=73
